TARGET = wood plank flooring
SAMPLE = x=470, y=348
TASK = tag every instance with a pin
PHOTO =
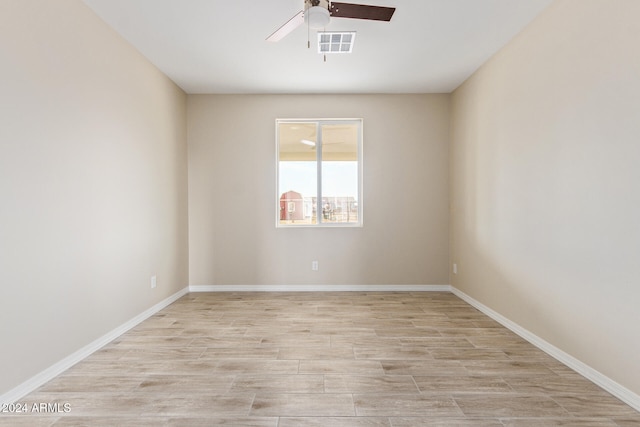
x=321, y=359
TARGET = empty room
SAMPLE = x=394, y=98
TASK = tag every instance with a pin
x=314, y=213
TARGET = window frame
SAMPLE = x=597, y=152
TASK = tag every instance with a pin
x=360, y=173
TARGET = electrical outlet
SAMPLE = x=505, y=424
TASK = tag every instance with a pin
x=314, y=265
x=455, y=268
x=153, y=282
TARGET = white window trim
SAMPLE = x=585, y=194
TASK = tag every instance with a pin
x=321, y=224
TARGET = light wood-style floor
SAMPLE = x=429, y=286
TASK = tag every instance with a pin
x=323, y=359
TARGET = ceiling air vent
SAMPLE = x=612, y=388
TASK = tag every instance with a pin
x=336, y=42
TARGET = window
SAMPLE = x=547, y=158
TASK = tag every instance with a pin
x=319, y=170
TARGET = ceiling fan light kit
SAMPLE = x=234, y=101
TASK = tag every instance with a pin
x=317, y=17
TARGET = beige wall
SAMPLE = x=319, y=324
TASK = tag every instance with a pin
x=93, y=175
x=545, y=200
x=232, y=198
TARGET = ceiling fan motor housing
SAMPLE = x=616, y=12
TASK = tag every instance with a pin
x=317, y=13
x=313, y=3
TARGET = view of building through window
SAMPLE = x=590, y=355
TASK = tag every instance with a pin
x=319, y=164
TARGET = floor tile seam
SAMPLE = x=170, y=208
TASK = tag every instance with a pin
x=202, y=352
x=384, y=392
x=462, y=394
x=478, y=393
x=559, y=394
x=251, y=404
x=440, y=395
x=457, y=404
x=443, y=396
x=393, y=418
x=353, y=404
x=129, y=389
x=556, y=417
x=573, y=414
x=188, y=393
x=567, y=413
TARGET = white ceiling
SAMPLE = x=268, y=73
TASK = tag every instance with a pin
x=219, y=46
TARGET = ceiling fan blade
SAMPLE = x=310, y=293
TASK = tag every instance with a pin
x=361, y=11
x=291, y=25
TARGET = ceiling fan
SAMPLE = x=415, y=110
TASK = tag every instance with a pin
x=318, y=13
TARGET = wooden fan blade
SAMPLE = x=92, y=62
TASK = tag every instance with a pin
x=361, y=11
x=291, y=25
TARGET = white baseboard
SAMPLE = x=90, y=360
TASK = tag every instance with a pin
x=48, y=374
x=320, y=288
x=618, y=390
